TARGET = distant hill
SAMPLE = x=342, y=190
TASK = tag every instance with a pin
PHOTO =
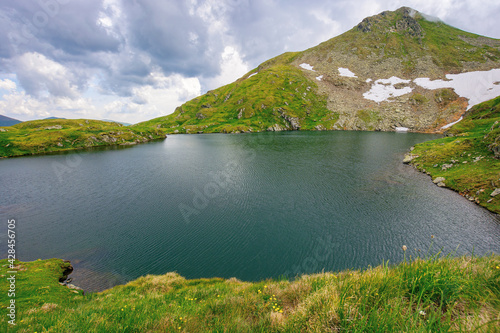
x=6, y=121
x=45, y=136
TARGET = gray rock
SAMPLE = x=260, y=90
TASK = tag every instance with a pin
x=72, y=286
x=446, y=166
x=495, y=192
x=53, y=127
x=409, y=157
x=240, y=114
x=438, y=180
x=477, y=159
x=294, y=122
x=276, y=128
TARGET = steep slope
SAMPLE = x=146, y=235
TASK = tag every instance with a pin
x=43, y=136
x=6, y=121
x=468, y=159
x=376, y=76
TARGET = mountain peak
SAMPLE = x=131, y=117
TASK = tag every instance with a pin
x=403, y=20
x=364, y=79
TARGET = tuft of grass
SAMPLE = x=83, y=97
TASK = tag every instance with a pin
x=433, y=293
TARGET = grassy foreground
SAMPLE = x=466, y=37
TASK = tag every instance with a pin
x=468, y=158
x=431, y=295
x=45, y=136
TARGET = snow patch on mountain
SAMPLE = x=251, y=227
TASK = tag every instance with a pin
x=307, y=66
x=346, y=72
x=384, y=89
x=477, y=87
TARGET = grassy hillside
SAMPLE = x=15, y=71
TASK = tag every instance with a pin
x=469, y=157
x=275, y=96
x=43, y=136
x=280, y=95
x=432, y=295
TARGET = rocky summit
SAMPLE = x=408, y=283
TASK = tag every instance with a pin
x=399, y=70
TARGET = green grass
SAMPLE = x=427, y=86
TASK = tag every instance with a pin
x=434, y=294
x=45, y=136
x=470, y=149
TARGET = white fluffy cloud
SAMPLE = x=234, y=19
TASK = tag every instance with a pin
x=41, y=76
x=232, y=68
x=25, y=107
x=151, y=101
x=8, y=85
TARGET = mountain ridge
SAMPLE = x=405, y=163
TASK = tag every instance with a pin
x=306, y=90
x=7, y=121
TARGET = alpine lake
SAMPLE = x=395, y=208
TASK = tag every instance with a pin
x=250, y=206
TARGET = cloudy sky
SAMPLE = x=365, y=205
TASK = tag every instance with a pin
x=133, y=60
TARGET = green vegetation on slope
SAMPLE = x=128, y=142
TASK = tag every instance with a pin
x=43, y=136
x=469, y=158
x=277, y=97
x=400, y=35
x=431, y=295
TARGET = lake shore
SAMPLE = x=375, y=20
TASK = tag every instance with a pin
x=467, y=159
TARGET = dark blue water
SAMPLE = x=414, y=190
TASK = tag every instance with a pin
x=250, y=206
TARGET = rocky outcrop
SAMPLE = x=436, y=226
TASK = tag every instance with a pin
x=67, y=270
x=56, y=127
x=276, y=128
x=408, y=25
